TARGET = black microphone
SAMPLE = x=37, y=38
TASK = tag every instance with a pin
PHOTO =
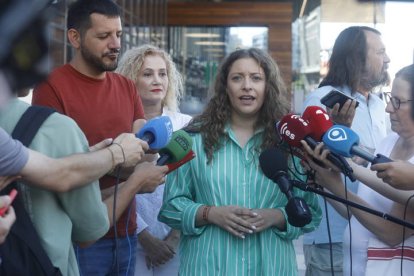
x=274, y=165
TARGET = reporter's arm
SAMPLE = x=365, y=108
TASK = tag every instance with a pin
x=387, y=231
x=369, y=178
x=74, y=171
x=145, y=179
x=64, y=174
x=364, y=175
x=399, y=174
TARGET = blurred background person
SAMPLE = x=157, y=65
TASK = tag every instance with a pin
x=400, y=173
x=160, y=87
x=358, y=64
x=103, y=104
x=368, y=229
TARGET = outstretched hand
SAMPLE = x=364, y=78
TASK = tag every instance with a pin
x=8, y=219
x=327, y=175
x=133, y=149
x=343, y=115
x=399, y=174
x=149, y=176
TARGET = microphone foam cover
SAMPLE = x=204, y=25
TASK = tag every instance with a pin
x=319, y=121
x=159, y=129
x=273, y=161
x=340, y=139
x=180, y=144
x=293, y=128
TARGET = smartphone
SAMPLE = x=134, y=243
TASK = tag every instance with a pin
x=335, y=96
x=12, y=195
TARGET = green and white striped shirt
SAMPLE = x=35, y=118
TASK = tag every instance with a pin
x=232, y=178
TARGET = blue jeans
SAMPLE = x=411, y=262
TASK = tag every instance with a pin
x=318, y=260
x=99, y=258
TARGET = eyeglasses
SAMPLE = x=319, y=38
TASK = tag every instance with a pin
x=396, y=103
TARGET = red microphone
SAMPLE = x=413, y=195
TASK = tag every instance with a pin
x=293, y=128
x=319, y=121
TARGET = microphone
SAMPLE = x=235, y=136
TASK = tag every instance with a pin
x=293, y=128
x=274, y=166
x=344, y=141
x=319, y=121
x=178, y=147
x=188, y=157
x=156, y=132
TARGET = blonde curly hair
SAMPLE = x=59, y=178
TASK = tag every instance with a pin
x=131, y=62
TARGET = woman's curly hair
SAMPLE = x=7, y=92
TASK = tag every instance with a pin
x=212, y=121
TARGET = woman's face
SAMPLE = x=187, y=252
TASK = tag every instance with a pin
x=246, y=84
x=401, y=121
x=152, y=81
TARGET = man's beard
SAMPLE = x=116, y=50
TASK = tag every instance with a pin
x=382, y=80
x=97, y=62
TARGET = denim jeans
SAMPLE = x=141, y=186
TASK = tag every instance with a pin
x=318, y=260
x=99, y=258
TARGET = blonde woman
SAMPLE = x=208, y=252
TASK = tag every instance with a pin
x=160, y=87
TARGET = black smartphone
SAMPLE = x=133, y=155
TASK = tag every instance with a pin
x=335, y=96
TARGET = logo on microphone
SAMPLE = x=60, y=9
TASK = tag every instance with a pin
x=297, y=117
x=182, y=142
x=324, y=114
x=337, y=134
x=286, y=132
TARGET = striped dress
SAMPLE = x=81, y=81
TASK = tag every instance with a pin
x=232, y=178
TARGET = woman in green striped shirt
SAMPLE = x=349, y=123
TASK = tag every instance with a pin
x=232, y=217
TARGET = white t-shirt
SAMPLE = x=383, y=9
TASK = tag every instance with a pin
x=148, y=205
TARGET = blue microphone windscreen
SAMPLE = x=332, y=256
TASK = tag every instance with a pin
x=157, y=132
x=340, y=139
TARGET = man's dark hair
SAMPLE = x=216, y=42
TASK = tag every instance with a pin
x=80, y=11
x=348, y=59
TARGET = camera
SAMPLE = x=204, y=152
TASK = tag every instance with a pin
x=24, y=47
